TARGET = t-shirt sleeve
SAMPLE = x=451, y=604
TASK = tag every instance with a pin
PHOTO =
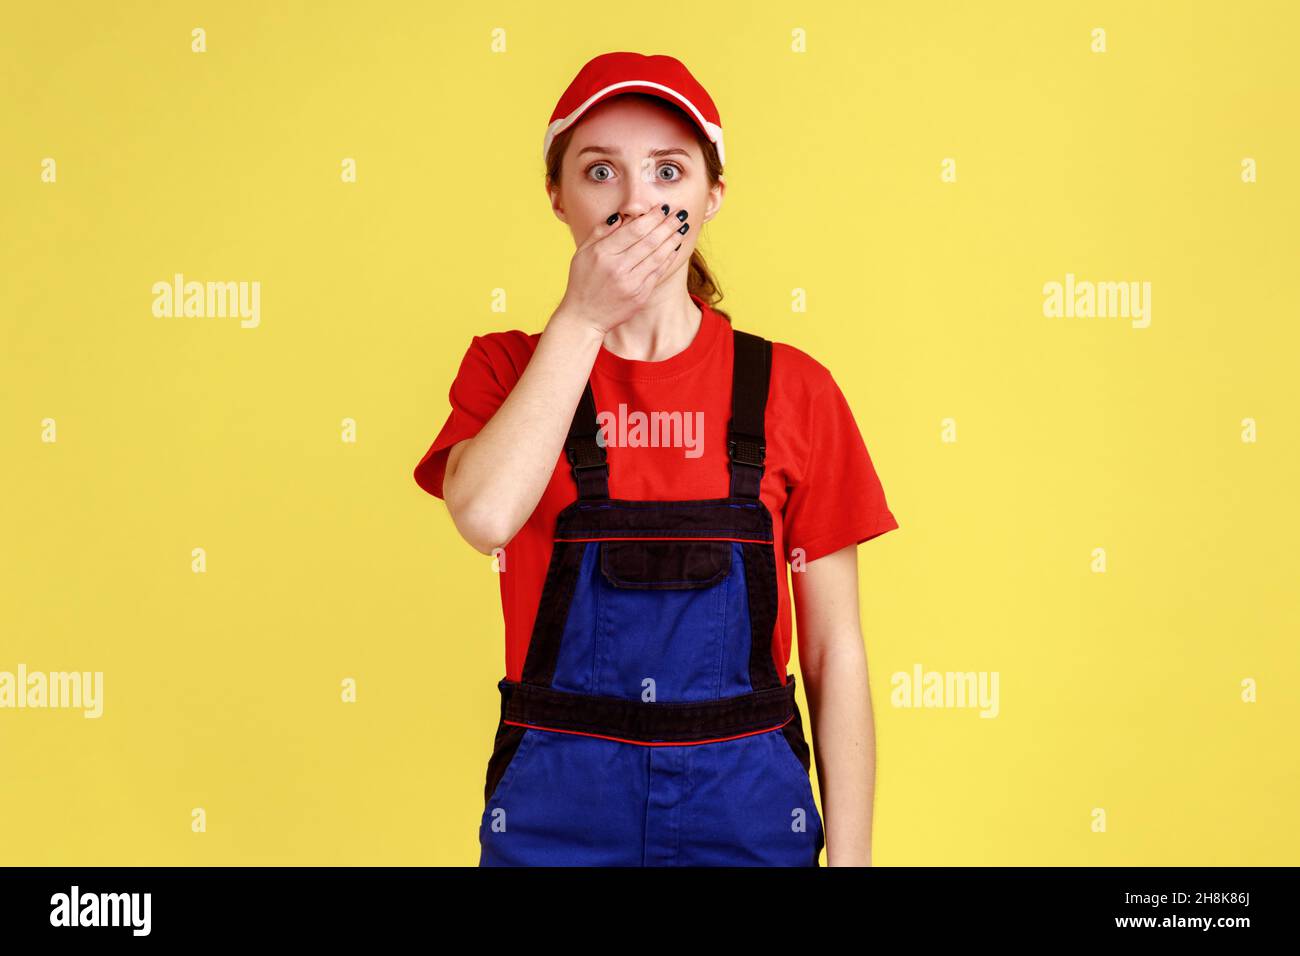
x=475, y=395
x=837, y=499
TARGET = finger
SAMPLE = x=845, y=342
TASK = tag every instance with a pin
x=662, y=262
x=667, y=242
x=667, y=233
x=651, y=266
x=671, y=264
x=602, y=229
x=638, y=230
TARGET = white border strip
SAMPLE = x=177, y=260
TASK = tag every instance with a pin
x=713, y=131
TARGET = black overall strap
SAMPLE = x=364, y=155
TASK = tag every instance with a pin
x=584, y=451
x=746, y=443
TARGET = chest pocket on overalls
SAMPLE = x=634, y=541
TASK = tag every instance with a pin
x=667, y=565
x=672, y=622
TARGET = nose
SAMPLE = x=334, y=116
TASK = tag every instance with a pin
x=635, y=208
x=641, y=197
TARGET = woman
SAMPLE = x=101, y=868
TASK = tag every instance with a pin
x=638, y=467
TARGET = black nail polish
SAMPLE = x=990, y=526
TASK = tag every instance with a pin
x=682, y=215
x=664, y=207
x=611, y=220
x=676, y=247
x=685, y=226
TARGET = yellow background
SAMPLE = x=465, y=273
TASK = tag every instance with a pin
x=1119, y=691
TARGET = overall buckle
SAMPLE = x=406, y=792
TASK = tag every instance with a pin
x=573, y=454
x=746, y=449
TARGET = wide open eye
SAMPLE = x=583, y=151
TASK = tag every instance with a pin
x=675, y=168
x=604, y=166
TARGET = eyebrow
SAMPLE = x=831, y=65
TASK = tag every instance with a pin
x=615, y=151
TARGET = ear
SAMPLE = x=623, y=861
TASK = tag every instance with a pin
x=716, y=195
x=553, y=197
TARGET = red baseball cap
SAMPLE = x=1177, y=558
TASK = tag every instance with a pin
x=613, y=73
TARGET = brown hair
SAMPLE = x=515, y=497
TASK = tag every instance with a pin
x=699, y=279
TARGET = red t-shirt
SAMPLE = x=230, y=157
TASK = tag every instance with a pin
x=819, y=482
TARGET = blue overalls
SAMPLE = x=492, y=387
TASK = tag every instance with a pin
x=650, y=726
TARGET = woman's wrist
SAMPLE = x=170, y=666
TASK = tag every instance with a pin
x=579, y=322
